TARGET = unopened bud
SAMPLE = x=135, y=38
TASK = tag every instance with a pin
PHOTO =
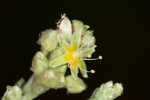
x=12, y=93
x=48, y=40
x=107, y=91
x=74, y=86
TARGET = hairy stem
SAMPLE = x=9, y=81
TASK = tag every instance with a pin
x=33, y=89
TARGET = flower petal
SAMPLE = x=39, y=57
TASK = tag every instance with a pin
x=66, y=27
x=77, y=29
x=62, y=41
x=74, y=71
x=83, y=69
x=87, y=51
x=57, y=61
x=56, y=53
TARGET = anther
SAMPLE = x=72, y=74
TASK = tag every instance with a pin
x=93, y=38
x=89, y=56
x=59, y=21
x=94, y=46
x=100, y=57
x=92, y=71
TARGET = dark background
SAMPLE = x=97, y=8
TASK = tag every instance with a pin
x=123, y=24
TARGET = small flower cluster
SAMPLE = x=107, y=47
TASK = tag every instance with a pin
x=107, y=91
x=69, y=45
x=65, y=47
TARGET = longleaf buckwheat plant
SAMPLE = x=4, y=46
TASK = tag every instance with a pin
x=68, y=46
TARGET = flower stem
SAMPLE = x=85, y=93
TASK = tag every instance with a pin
x=33, y=89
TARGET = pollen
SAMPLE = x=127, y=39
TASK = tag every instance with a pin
x=72, y=56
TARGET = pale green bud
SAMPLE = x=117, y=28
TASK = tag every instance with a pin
x=57, y=52
x=62, y=69
x=12, y=93
x=53, y=79
x=88, y=39
x=65, y=28
x=107, y=91
x=118, y=88
x=39, y=63
x=78, y=26
x=48, y=40
x=74, y=86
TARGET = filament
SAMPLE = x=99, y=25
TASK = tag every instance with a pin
x=91, y=71
x=99, y=58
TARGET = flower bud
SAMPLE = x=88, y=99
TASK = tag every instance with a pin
x=65, y=28
x=107, y=91
x=48, y=40
x=53, y=79
x=88, y=40
x=117, y=90
x=12, y=93
x=56, y=53
x=78, y=26
x=110, y=90
x=39, y=63
x=74, y=86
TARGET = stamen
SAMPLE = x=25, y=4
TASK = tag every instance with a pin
x=89, y=56
x=91, y=71
x=99, y=58
x=91, y=59
x=94, y=46
x=93, y=38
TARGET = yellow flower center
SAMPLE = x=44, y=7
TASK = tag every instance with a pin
x=72, y=56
